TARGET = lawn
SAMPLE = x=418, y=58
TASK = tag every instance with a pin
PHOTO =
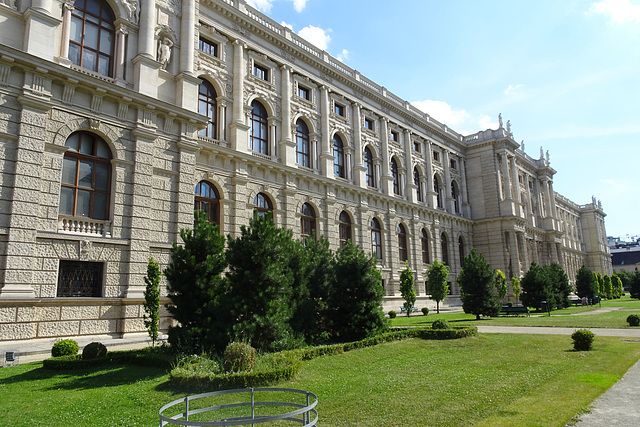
x=488, y=380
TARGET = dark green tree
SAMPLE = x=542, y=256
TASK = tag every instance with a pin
x=152, y=300
x=560, y=285
x=476, y=281
x=406, y=288
x=586, y=286
x=599, y=284
x=634, y=284
x=625, y=278
x=616, y=284
x=537, y=287
x=606, y=287
x=355, y=299
x=437, y=284
x=193, y=282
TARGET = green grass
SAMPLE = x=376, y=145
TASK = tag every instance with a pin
x=494, y=379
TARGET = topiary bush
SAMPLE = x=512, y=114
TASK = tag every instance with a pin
x=94, y=350
x=582, y=340
x=65, y=348
x=239, y=357
x=425, y=310
x=392, y=314
x=633, y=320
x=440, y=324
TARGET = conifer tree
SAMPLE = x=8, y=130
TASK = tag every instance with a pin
x=152, y=300
x=586, y=286
x=560, y=285
x=476, y=281
x=537, y=287
x=406, y=288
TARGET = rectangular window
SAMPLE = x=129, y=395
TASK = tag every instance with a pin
x=339, y=109
x=80, y=279
x=260, y=72
x=395, y=136
x=453, y=164
x=304, y=93
x=416, y=146
x=368, y=123
x=436, y=156
x=208, y=47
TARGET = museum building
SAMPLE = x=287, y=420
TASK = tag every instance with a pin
x=119, y=117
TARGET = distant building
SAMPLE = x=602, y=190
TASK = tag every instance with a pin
x=625, y=258
x=118, y=117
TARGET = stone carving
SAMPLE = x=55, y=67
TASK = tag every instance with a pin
x=522, y=145
x=133, y=8
x=509, y=127
x=547, y=156
x=500, y=121
x=164, y=51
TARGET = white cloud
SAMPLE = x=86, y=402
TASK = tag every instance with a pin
x=289, y=26
x=261, y=5
x=620, y=11
x=342, y=56
x=486, y=122
x=511, y=89
x=316, y=36
x=442, y=112
x=299, y=5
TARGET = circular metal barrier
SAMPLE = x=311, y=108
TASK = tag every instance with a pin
x=303, y=413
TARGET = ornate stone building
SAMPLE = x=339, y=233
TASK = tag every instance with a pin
x=117, y=117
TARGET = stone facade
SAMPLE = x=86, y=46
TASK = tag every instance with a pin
x=176, y=93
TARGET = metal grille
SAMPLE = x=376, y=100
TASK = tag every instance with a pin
x=10, y=358
x=80, y=279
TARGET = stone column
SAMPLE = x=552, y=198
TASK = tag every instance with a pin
x=448, y=200
x=326, y=156
x=386, y=179
x=410, y=187
x=40, y=29
x=121, y=35
x=287, y=144
x=272, y=136
x=466, y=207
x=187, y=87
x=431, y=195
x=145, y=65
x=359, y=170
x=67, y=7
x=239, y=134
x=222, y=118
x=515, y=256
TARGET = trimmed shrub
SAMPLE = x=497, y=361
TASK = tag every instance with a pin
x=425, y=310
x=94, y=350
x=633, y=320
x=440, y=324
x=509, y=304
x=582, y=340
x=65, y=348
x=392, y=314
x=239, y=357
x=158, y=357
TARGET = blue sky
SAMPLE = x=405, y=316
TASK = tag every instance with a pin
x=566, y=73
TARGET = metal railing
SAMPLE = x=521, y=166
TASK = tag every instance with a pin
x=302, y=415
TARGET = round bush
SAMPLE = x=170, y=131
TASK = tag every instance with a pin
x=509, y=304
x=440, y=324
x=65, y=348
x=239, y=357
x=425, y=310
x=94, y=350
x=633, y=320
x=392, y=314
x=583, y=339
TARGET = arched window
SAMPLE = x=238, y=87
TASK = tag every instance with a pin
x=368, y=163
x=424, y=238
x=402, y=243
x=92, y=40
x=86, y=177
x=436, y=189
x=345, y=228
x=259, y=128
x=308, y=221
x=207, y=107
x=303, y=152
x=455, y=195
x=417, y=183
x=444, y=247
x=208, y=201
x=338, y=156
x=396, y=176
x=376, y=238
x=262, y=204
x=461, y=249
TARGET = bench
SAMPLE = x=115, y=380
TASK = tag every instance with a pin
x=414, y=309
x=515, y=310
x=578, y=302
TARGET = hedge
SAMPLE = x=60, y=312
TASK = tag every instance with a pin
x=144, y=357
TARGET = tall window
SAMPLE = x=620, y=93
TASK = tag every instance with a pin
x=91, y=41
x=207, y=107
x=368, y=162
x=396, y=176
x=424, y=238
x=308, y=221
x=376, y=238
x=402, y=243
x=455, y=195
x=86, y=177
x=303, y=152
x=207, y=200
x=444, y=247
x=345, y=228
x=436, y=189
x=262, y=204
x=338, y=154
x=417, y=183
x=461, y=249
x=259, y=128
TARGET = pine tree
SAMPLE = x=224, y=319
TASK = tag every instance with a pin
x=586, y=286
x=152, y=300
x=476, y=281
x=406, y=288
x=559, y=284
x=608, y=290
x=537, y=287
x=437, y=284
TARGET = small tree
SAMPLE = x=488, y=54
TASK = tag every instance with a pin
x=599, y=284
x=437, y=284
x=586, y=286
x=476, y=281
x=501, y=285
x=515, y=285
x=634, y=284
x=616, y=284
x=152, y=300
x=607, y=288
x=406, y=288
x=537, y=287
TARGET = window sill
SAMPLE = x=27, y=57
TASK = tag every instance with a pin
x=84, y=226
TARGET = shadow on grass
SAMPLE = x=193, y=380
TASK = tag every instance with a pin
x=106, y=377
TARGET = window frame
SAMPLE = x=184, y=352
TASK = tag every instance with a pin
x=261, y=72
x=395, y=174
x=70, y=269
x=339, y=109
x=303, y=144
x=370, y=173
x=418, y=183
x=208, y=45
x=105, y=22
x=262, y=204
x=444, y=248
x=345, y=229
x=369, y=124
x=338, y=157
x=395, y=136
x=308, y=222
x=260, y=118
x=304, y=92
x=424, y=239
x=208, y=98
x=376, y=238
x=212, y=213
x=403, y=251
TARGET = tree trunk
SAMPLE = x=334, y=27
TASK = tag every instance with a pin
x=437, y=307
